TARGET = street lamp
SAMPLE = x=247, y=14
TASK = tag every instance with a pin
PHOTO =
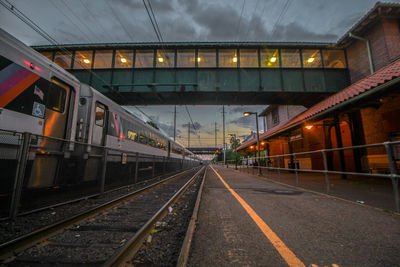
x=234, y=142
x=258, y=139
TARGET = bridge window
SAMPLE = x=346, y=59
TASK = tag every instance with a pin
x=248, y=58
x=123, y=59
x=290, y=58
x=186, y=58
x=270, y=58
x=312, y=58
x=144, y=59
x=165, y=58
x=83, y=59
x=206, y=58
x=227, y=58
x=334, y=59
x=102, y=59
x=49, y=55
x=63, y=59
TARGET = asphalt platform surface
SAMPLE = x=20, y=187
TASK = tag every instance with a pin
x=277, y=225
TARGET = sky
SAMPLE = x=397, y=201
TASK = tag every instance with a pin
x=117, y=21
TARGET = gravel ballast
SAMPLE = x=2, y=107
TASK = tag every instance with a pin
x=167, y=237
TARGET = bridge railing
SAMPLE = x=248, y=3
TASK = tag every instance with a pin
x=379, y=161
x=38, y=171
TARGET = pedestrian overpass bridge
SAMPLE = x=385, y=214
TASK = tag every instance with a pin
x=205, y=150
x=206, y=73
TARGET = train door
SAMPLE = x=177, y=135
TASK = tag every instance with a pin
x=56, y=102
x=99, y=125
x=93, y=164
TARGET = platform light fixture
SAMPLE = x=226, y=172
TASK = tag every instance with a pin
x=310, y=60
x=309, y=127
x=123, y=60
x=235, y=59
x=273, y=59
x=160, y=59
x=85, y=60
x=198, y=59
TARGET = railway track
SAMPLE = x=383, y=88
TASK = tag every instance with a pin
x=106, y=235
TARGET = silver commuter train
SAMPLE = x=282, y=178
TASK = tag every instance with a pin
x=39, y=97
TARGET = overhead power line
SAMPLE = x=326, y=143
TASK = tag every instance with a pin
x=95, y=19
x=118, y=19
x=240, y=20
x=281, y=15
x=153, y=21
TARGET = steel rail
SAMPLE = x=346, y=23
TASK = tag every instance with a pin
x=90, y=196
x=133, y=245
x=11, y=247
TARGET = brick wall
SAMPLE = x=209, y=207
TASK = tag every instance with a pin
x=384, y=40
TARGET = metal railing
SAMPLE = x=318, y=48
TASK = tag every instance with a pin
x=33, y=166
x=273, y=163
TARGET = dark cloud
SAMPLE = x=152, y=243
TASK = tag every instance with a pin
x=197, y=125
x=293, y=32
x=244, y=122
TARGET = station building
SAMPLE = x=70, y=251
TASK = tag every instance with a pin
x=365, y=112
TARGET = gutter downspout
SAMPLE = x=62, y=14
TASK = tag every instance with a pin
x=371, y=65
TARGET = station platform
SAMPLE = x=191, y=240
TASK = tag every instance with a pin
x=246, y=220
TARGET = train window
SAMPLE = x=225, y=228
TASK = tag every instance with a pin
x=47, y=54
x=334, y=59
x=207, y=58
x=123, y=59
x=270, y=58
x=142, y=139
x=132, y=135
x=56, y=96
x=290, y=58
x=227, y=58
x=83, y=59
x=185, y=58
x=102, y=59
x=63, y=59
x=100, y=114
x=165, y=58
x=312, y=58
x=144, y=59
x=248, y=58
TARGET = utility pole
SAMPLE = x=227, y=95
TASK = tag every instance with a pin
x=223, y=132
x=175, y=123
x=215, y=134
x=189, y=134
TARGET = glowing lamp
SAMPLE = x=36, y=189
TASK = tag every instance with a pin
x=160, y=59
x=310, y=60
x=235, y=59
x=273, y=59
x=87, y=61
x=123, y=60
x=262, y=143
x=251, y=147
x=309, y=127
x=198, y=59
x=247, y=114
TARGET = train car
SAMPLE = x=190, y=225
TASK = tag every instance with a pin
x=39, y=97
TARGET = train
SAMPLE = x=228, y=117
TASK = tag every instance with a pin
x=68, y=117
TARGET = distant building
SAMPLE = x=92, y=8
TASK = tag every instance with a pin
x=274, y=115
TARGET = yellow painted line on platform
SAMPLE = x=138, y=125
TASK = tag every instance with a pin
x=285, y=252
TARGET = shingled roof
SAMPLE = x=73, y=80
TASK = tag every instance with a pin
x=385, y=76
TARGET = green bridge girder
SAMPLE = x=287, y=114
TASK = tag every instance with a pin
x=218, y=85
